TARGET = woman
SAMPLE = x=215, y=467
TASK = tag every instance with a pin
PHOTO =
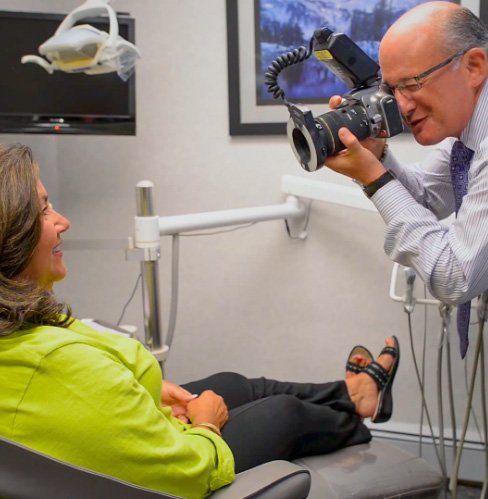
x=97, y=399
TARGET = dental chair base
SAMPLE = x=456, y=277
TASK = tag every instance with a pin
x=371, y=471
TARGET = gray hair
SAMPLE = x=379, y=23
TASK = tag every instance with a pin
x=463, y=30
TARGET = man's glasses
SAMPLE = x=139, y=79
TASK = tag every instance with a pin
x=415, y=83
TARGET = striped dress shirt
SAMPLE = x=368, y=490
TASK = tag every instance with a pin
x=451, y=257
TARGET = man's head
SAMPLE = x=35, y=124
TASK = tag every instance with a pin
x=435, y=58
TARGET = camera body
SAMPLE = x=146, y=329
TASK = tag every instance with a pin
x=367, y=110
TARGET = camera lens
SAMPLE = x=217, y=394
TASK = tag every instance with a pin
x=313, y=139
x=300, y=145
x=353, y=117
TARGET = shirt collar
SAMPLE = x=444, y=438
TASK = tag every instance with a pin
x=477, y=128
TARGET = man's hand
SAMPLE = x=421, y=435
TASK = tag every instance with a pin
x=360, y=159
x=356, y=161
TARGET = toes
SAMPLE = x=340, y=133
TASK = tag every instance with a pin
x=360, y=360
x=386, y=359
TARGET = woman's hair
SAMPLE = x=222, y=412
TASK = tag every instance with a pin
x=463, y=31
x=23, y=303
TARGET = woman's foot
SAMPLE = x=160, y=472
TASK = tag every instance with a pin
x=362, y=388
x=358, y=359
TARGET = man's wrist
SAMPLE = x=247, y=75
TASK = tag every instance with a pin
x=377, y=184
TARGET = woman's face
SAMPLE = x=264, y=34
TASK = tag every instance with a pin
x=47, y=265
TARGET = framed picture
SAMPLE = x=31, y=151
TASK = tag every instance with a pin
x=260, y=30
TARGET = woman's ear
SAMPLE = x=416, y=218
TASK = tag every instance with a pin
x=476, y=64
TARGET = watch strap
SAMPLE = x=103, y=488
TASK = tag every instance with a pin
x=377, y=184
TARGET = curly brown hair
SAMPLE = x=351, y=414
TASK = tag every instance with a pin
x=23, y=304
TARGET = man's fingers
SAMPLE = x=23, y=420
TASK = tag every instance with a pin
x=349, y=140
x=335, y=101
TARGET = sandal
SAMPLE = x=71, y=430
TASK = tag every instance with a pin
x=351, y=366
x=384, y=380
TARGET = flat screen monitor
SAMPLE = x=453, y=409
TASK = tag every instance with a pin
x=34, y=101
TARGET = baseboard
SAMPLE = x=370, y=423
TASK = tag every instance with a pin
x=405, y=436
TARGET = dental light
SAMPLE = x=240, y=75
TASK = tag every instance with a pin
x=86, y=49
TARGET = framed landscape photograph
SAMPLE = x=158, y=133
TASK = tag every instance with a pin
x=258, y=31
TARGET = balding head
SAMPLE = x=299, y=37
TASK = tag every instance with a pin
x=423, y=26
x=426, y=14
x=441, y=27
x=434, y=55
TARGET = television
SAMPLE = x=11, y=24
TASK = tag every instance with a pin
x=34, y=101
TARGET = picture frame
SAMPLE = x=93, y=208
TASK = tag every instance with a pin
x=246, y=115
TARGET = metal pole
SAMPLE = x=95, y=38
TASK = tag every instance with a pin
x=150, y=274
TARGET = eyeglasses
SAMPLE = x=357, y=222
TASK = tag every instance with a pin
x=408, y=87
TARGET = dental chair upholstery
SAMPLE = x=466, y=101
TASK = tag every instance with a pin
x=28, y=474
x=372, y=471
x=368, y=471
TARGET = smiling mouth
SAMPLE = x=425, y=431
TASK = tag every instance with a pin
x=414, y=123
x=57, y=250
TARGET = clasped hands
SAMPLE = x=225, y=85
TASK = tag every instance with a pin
x=208, y=407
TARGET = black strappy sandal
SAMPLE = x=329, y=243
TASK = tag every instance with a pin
x=384, y=379
x=351, y=366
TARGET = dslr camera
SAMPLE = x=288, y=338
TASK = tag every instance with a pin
x=368, y=110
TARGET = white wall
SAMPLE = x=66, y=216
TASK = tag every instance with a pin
x=252, y=301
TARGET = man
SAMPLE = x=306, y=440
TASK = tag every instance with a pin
x=435, y=61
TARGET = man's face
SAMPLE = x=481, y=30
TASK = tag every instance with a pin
x=436, y=106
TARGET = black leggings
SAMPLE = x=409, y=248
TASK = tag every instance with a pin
x=271, y=420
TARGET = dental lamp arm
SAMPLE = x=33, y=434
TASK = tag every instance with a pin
x=38, y=60
x=92, y=8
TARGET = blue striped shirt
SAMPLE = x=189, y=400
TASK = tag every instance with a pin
x=450, y=257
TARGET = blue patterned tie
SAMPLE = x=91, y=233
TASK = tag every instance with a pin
x=459, y=166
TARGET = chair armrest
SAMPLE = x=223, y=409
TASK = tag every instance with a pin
x=274, y=480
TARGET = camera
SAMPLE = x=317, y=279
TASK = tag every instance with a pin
x=368, y=110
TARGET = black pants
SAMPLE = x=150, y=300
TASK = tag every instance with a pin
x=271, y=419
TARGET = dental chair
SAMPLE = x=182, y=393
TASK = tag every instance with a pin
x=28, y=474
x=367, y=471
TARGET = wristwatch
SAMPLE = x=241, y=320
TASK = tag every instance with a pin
x=377, y=184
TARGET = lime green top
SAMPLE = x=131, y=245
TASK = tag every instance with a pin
x=93, y=399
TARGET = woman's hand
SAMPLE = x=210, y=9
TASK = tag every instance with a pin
x=208, y=407
x=177, y=398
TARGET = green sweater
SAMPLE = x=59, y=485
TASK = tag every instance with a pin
x=93, y=399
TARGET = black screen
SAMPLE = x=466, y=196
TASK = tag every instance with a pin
x=31, y=100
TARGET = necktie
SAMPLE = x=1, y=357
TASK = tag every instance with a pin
x=459, y=166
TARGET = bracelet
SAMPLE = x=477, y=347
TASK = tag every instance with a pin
x=211, y=427
x=383, y=154
x=377, y=184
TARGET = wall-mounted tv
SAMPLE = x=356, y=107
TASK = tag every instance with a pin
x=33, y=101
